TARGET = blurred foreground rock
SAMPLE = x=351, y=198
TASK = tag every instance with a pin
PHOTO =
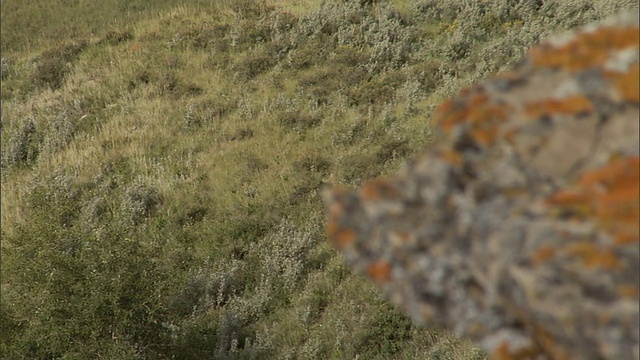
x=519, y=229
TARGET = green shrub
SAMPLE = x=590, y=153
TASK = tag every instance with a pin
x=80, y=285
x=254, y=64
x=54, y=64
x=391, y=150
x=195, y=338
x=117, y=37
x=384, y=336
x=428, y=74
x=380, y=90
x=51, y=72
x=307, y=55
x=241, y=134
x=356, y=169
x=171, y=84
x=315, y=298
x=250, y=9
x=311, y=164
x=11, y=327
x=298, y=121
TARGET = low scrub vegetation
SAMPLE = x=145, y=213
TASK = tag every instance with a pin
x=161, y=164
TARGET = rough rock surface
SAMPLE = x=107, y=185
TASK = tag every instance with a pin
x=519, y=229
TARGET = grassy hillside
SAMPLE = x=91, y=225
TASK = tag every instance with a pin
x=161, y=162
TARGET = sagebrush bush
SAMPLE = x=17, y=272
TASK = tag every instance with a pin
x=283, y=255
x=94, y=212
x=59, y=133
x=21, y=144
x=138, y=202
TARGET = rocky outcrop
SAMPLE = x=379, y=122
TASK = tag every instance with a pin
x=519, y=229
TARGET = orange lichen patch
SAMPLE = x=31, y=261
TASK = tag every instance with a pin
x=336, y=210
x=484, y=136
x=493, y=112
x=452, y=157
x=332, y=228
x=586, y=50
x=623, y=171
x=504, y=352
x=610, y=195
x=340, y=237
x=402, y=236
x=401, y=239
x=593, y=256
x=447, y=109
x=619, y=204
x=550, y=347
x=567, y=198
x=628, y=291
x=577, y=203
x=626, y=236
x=606, y=259
x=456, y=111
x=380, y=271
x=616, y=193
x=543, y=254
x=627, y=84
x=477, y=112
x=378, y=189
x=569, y=106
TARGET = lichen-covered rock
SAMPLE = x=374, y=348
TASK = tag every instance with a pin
x=519, y=229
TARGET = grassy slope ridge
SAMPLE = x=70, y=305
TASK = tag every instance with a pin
x=160, y=169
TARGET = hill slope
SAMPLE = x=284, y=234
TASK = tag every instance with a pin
x=160, y=170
